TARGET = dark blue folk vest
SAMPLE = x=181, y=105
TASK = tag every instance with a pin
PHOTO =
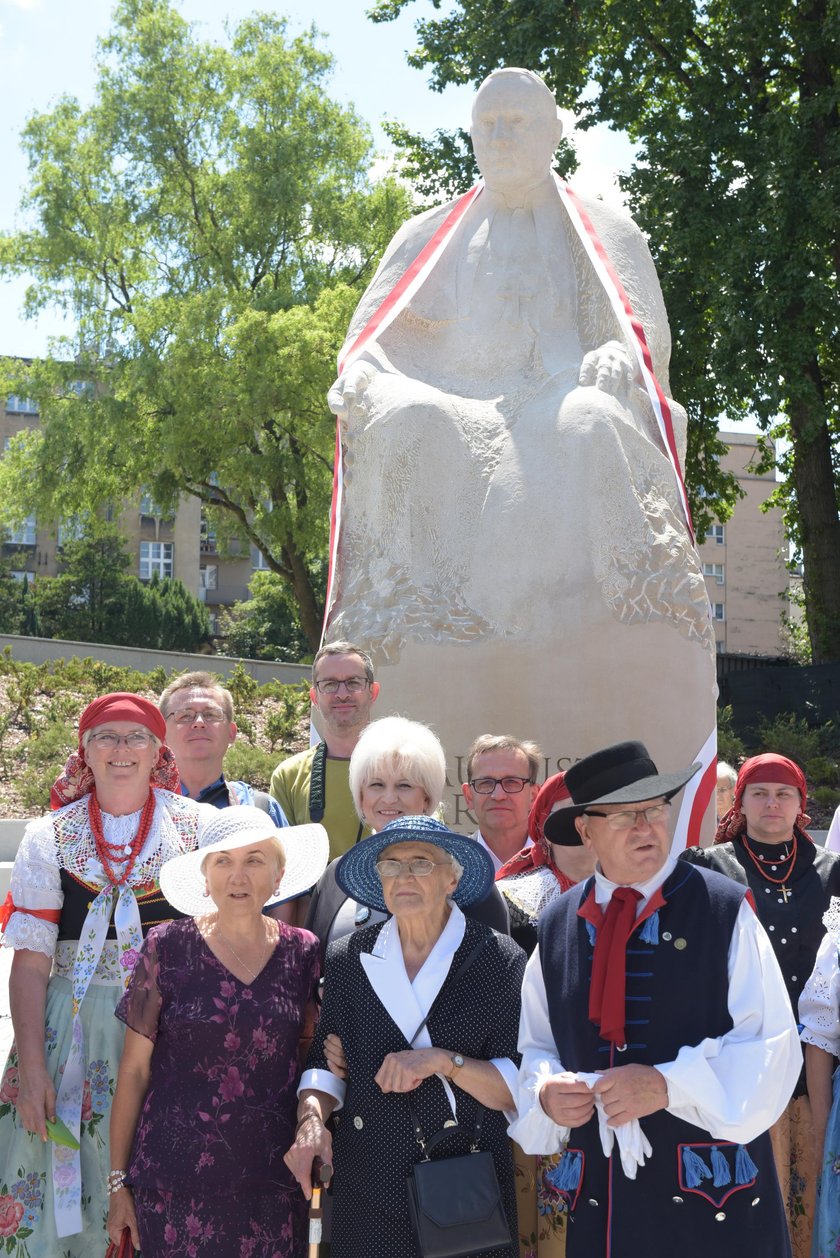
x=696, y=1196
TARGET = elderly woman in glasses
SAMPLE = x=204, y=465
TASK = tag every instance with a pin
x=426, y=1006
x=84, y=891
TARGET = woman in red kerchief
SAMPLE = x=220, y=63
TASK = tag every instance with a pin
x=530, y=881
x=84, y=890
x=762, y=842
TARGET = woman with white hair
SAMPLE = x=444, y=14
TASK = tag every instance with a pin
x=397, y=769
x=217, y=1012
x=426, y=1008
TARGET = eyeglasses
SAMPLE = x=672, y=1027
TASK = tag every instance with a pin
x=353, y=686
x=420, y=866
x=136, y=740
x=510, y=786
x=189, y=716
x=626, y=820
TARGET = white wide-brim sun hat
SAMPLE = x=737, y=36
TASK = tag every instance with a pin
x=307, y=851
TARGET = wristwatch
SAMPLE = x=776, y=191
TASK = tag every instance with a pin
x=457, y=1062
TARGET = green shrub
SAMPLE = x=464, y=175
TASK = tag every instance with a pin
x=821, y=771
x=253, y=765
x=731, y=748
x=827, y=796
x=790, y=736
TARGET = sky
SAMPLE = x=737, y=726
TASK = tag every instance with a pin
x=47, y=49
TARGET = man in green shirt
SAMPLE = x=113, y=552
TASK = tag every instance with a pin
x=314, y=785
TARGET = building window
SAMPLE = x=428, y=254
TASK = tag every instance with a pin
x=155, y=557
x=259, y=563
x=718, y=611
x=719, y=646
x=24, y=534
x=70, y=530
x=149, y=507
x=21, y=405
x=21, y=574
x=207, y=542
x=714, y=570
x=716, y=533
x=208, y=579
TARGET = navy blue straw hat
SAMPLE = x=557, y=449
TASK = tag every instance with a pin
x=357, y=875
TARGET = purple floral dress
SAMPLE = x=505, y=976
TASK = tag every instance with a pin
x=207, y=1164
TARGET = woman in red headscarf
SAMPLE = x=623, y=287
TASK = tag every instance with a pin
x=84, y=890
x=530, y=881
x=762, y=842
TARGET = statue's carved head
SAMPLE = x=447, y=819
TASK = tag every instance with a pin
x=515, y=130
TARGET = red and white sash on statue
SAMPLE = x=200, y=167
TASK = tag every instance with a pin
x=696, y=797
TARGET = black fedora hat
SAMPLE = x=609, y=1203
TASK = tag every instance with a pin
x=621, y=774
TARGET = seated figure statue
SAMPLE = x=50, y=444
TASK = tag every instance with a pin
x=506, y=476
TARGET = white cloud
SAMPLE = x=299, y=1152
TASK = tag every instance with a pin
x=26, y=6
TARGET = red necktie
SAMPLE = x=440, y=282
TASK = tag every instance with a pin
x=609, y=965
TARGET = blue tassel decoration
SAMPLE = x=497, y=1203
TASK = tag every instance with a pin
x=590, y=930
x=696, y=1169
x=566, y=1175
x=649, y=933
x=745, y=1168
x=720, y=1166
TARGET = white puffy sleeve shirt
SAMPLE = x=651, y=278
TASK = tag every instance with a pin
x=734, y=1086
x=819, y=1004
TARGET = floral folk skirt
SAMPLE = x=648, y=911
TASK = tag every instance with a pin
x=27, y=1222
x=542, y=1210
x=797, y=1165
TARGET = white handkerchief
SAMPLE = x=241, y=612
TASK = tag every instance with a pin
x=633, y=1144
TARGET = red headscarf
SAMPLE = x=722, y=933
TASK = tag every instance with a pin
x=552, y=791
x=76, y=779
x=768, y=767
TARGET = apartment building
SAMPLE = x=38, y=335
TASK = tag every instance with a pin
x=181, y=545
x=744, y=560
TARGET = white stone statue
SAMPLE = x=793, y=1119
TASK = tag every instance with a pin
x=513, y=542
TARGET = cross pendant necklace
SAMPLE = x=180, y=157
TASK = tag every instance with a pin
x=785, y=892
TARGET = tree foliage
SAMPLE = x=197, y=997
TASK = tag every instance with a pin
x=209, y=221
x=264, y=626
x=95, y=599
x=734, y=109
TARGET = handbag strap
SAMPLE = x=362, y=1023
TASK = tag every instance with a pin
x=459, y=973
x=428, y=1145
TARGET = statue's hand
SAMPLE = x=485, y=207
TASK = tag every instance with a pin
x=346, y=398
x=608, y=368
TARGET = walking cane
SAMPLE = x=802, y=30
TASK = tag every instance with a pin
x=322, y=1174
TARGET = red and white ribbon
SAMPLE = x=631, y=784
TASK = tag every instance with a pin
x=696, y=797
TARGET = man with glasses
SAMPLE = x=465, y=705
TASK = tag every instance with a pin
x=314, y=785
x=499, y=790
x=658, y=1042
x=199, y=729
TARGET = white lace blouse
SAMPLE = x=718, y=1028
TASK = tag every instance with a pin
x=819, y=1004
x=63, y=840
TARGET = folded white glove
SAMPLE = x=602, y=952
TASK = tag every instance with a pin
x=633, y=1144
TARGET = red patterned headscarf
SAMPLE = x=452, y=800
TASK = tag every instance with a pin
x=552, y=791
x=76, y=779
x=768, y=767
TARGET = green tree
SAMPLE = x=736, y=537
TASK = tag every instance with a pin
x=209, y=221
x=94, y=599
x=18, y=613
x=734, y=109
x=264, y=627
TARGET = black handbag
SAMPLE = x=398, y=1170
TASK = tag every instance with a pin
x=455, y=1204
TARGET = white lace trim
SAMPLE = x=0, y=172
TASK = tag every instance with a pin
x=531, y=891
x=831, y=918
x=819, y=1004
x=63, y=840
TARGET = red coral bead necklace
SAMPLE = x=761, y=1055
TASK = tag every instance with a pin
x=111, y=854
